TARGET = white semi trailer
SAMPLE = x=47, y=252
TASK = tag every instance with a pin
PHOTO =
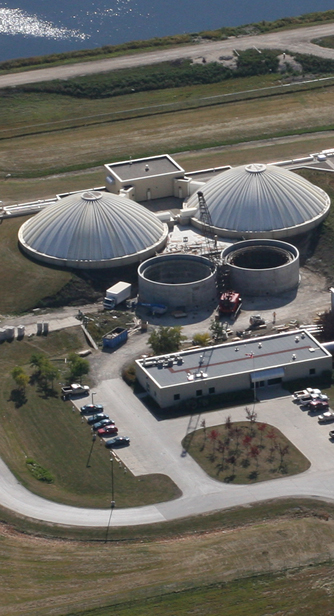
x=116, y=294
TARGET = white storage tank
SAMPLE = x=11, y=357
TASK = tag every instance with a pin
x=20, y=331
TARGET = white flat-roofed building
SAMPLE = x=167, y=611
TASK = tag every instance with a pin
x=144, y=179
x=233, y=366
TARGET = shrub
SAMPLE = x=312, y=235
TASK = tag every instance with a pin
x=129, y=374
x=39, y=472
x=202, y=339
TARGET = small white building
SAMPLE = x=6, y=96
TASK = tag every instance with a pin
x=235, y=366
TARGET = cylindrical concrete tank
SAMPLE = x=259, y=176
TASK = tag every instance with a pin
x=262, y=267
x=177, y=280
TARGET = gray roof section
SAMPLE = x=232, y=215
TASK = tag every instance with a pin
x=92, y=227
x=261, y=198
x=236, y=358
x=144, y=167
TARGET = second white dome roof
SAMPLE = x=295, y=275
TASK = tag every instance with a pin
x=262, y=201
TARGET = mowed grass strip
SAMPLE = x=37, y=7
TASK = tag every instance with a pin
x=186, y=574
x=172, y=132
x=47, y=430
x=40, y=112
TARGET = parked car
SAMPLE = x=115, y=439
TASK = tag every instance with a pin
x=306, y=394
x=326, y=417
x=95, y=418
x=107, y=430
x=91, y=409
x=102, y=424
x=117, y=441
x=331, y=435
x=317, y=405
x=322, y=397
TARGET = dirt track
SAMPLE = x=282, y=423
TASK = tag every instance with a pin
x=298, y=40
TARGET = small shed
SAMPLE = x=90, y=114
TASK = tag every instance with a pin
x=114, y=338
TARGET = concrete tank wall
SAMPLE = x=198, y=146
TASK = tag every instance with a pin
x=267, y=280
x=178, y=280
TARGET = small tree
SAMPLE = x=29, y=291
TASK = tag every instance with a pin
x=283, y=450
x=20, y=377
x=36, y=360
x=217, y=330
x=49, y=372
x=228, y=423
x=202, y=340
x=78, y=367
x=166, y=340
x=251, y=415
x=213, y=436
x=261, y=428
x=203, y=426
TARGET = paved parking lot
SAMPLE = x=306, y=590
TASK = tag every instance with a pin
x=156, y=448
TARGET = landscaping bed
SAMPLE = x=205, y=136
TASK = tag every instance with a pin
x=244, y=452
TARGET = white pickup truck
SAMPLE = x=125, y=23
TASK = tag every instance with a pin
x=69, y=391
x=307, y=394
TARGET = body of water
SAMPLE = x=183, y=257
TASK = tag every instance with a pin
x=36, y=27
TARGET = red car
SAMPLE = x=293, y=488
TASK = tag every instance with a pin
x=107, y=430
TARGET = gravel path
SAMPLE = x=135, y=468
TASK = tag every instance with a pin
x=295, y=41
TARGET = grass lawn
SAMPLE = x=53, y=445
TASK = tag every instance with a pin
x=45, y=429
x=25, y=282
x=245, y=452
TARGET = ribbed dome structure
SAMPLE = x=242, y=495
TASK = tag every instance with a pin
x=93, y=230
x=260, y=201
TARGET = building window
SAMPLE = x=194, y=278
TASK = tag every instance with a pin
x=212, y=390
x=312, y=370
x=274, y=381
x=176, y=396
x=199, y=392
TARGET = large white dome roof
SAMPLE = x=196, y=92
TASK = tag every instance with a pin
x=262, y=201
x=93, y=230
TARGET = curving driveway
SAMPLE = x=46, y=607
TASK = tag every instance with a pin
x=298, y=40
x=156, y=447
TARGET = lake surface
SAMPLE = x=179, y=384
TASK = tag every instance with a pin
x=36, y=27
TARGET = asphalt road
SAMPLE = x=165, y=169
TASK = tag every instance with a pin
x=298, y=40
